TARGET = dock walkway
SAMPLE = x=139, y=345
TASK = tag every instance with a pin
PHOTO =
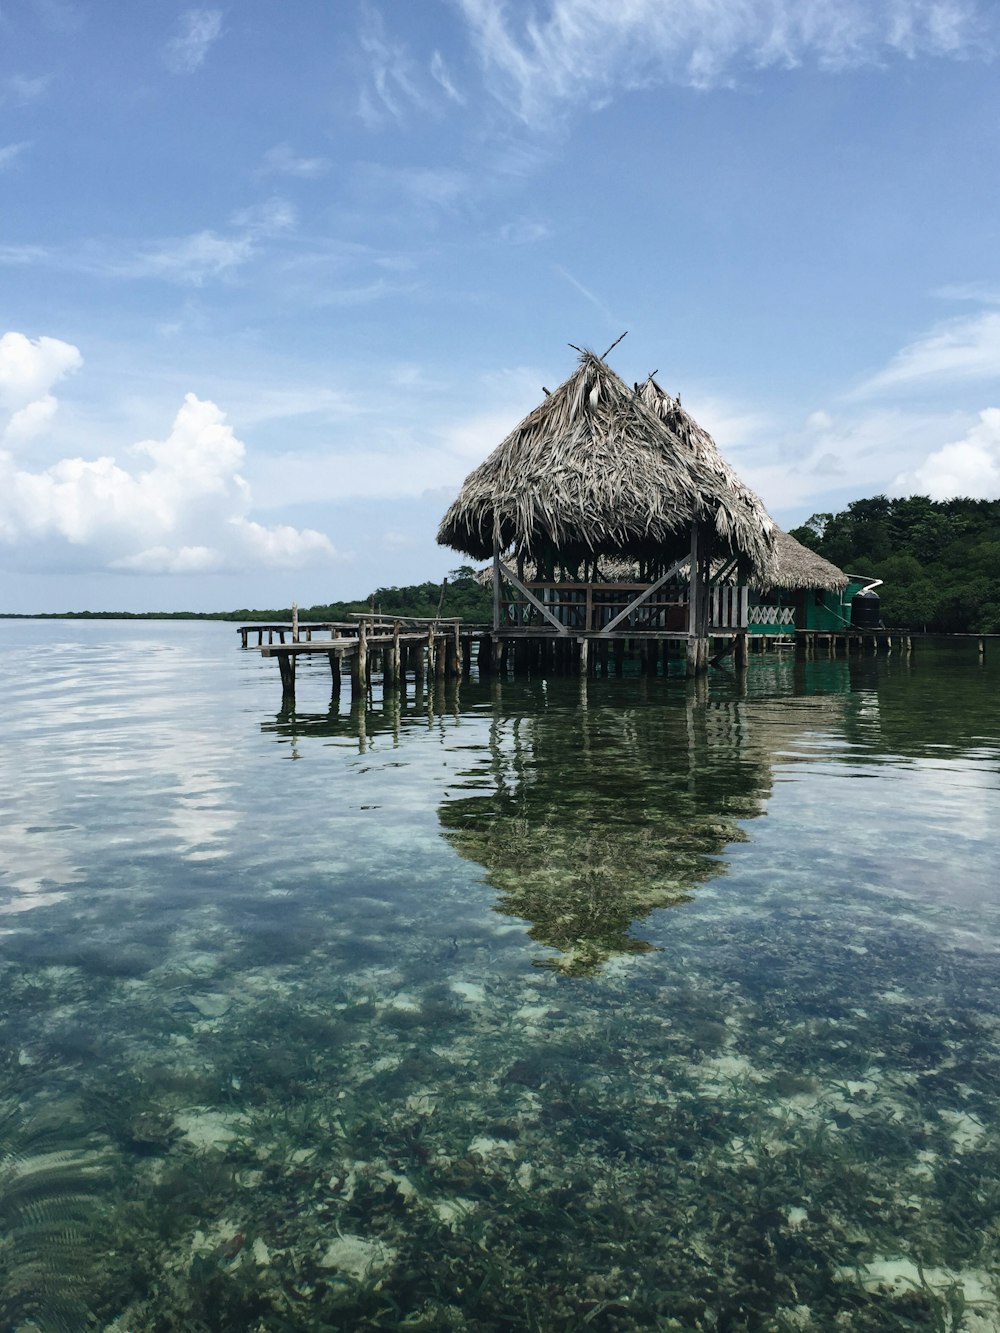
x=443, y=648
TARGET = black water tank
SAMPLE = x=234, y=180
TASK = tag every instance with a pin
x=866, y=610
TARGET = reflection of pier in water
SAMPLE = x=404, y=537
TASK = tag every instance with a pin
x=597, y=802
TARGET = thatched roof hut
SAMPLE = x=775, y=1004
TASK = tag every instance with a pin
x=798, y=567
x=593, y=471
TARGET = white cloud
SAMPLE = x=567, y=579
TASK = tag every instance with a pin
x=961, y=349
x=855, y=452
x=28, y=371
x=176, y=505
x=282, y=160
x=10, y=153
x=966, y=467
x=540, y=58
x=198, y=30
x=29, y=368
x=30, y=420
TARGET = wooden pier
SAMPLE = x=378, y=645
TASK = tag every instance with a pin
x=436, y=650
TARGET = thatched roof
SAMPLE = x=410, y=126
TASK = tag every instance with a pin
x=592, y=471
x=798, y=567
x=742, y=507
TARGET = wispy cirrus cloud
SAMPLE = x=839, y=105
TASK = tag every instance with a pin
x=191, y=260
x=442, y=77
x=391, y=86
x=541, y=59
x=283, y=160
x=11, y=152
x=395, y=83
x=960, y=349
x=198, y=31
x=588, y=295
x=22, y=89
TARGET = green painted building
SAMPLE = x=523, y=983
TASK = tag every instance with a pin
x=808, y=593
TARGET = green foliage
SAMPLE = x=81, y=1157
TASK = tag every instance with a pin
x=940, y=560
x=460, y=595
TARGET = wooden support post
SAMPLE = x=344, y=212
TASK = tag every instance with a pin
x=451, y=656
x=982, y=648
x=394, y=653
x=652, y=656
x=286, y=665
x=359, y=676
x=243, y=636
x=740, y=650
x=584, y=656
x=440, y=654
x=484, y=657
x=466, y=644
x=497, y=651
x=496, y=585
x=619, y=657
x=335, y=670
x=295, y=623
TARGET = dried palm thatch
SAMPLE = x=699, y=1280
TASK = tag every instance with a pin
x=740, y=509
x=592, y=471
x=798, y=567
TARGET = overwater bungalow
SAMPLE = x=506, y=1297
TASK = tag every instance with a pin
x=805, y=592
x=599, y=474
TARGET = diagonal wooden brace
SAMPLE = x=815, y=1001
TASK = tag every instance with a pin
x=511, y=577
x=647, y=592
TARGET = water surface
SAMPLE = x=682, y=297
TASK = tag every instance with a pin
x=637, y=1004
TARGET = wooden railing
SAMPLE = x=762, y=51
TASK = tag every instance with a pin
x=590, y=607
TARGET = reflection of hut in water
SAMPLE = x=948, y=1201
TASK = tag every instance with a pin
x=595, y=816
x=593, y=475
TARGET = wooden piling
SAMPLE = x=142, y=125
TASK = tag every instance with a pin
x=359, y=664
x=740, y=650
x=286, y=666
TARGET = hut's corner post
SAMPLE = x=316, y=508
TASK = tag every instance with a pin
x=694, y=655
x=496, y=583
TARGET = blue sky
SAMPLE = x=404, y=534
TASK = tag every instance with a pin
x=274, y=278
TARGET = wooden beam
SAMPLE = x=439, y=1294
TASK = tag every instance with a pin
x=496, y=585
x=648, y=592
x=511, y=577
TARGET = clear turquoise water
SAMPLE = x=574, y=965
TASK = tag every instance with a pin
x=636, y=1006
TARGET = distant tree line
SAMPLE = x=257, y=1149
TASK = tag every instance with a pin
x=459, y=595
x=939, y=559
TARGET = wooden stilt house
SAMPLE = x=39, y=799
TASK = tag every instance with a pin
x=595, y=476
